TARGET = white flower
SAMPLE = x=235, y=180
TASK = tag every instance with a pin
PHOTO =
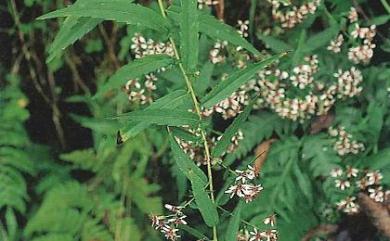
x=336, y=172
x=374, y=178
x=342, y=184
x=255, y=235
x=377, y=194
x=351, y=172
x=335, y=45
x=271, y=220
x=353, y=15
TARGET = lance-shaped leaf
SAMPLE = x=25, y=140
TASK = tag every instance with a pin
x=178, y=99
x=226, y=87
x=216, y=29
x=225, y=141
x=206, y=207
x=234, y=223
x=136, y=69
x=72, y=29
x=189, y=28
x=117, y=10
x=161, y=117
x=185, y=164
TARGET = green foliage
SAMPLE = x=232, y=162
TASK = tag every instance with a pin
x=225, y=88
x=178, y=136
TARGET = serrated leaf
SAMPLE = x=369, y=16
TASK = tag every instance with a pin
x=161, y=117
x=226, y=87
x=136, y=69
x=225, y=140
x=72, y=29
x=189, y=34
x=185, y=164
x=216, y=29
x=234, y=223
x=206, y=207
x=121, y=11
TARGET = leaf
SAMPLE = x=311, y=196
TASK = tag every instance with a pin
x=194, y=232
x=322, y=39
x=72, y=29
x=136, y=69
x=275, y=44
x=121, y=11
x=225, y=140
x=206, y=207
x=216, y=29
x=225, y=88
x=12, y=224
x=185, y=164
x=189, y=34
x=161, y=117
x=300, y=48
x=178, y=99
x=234, y=223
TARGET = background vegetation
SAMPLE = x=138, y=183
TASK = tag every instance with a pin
x=96, y=136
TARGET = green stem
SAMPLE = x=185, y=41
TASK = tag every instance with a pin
x=198, y=112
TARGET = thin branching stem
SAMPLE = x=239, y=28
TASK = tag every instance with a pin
x=198, y=112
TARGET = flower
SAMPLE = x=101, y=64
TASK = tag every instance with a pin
x=351, y=172
x=157, y=221
x=376, y=194
x=170, y=232
x=236, y=190
x=178, y=220
x=353, y=15
x=336, y=172
x=342, y=184
x=255, y=235
x=271, y=220
x=243, y=27
x=348, y=205
x=374, y=178
x=335, y=45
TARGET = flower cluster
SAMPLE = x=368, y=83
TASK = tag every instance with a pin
x=303, y=74
x=243, y=187
x=319, y=99
x=142, y=47
x=291, y=18
x=217, y=53
x=361, y=181
x=348, y=83
x=362, y=53
x=344, y=144
x=196, y=150
x=141, y=93
x=243, y=27
x=335, y=45
x=209, y=3
x=260, y=235
x=353, y=15
x=141, y=90
x=168, y=225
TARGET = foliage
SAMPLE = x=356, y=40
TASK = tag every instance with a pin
x=177, y=102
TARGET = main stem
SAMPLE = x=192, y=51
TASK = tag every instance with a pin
x=198, y=112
